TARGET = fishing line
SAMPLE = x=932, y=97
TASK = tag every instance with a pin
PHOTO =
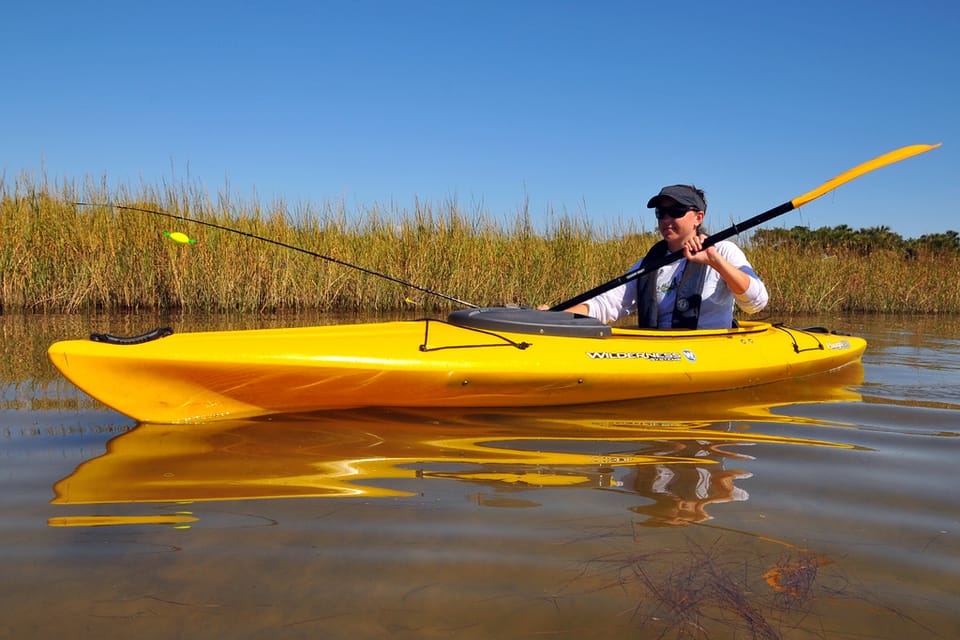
x=280, y=244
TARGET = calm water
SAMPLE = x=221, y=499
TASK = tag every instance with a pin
x=824, y=508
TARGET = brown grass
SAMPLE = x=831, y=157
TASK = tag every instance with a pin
x=60, y=257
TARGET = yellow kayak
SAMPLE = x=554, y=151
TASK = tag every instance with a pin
x=488, y=357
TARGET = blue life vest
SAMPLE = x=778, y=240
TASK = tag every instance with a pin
x=686, y=309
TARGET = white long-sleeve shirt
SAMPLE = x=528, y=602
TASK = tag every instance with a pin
x=716, y=308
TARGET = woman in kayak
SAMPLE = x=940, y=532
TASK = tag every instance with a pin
x=698, y=291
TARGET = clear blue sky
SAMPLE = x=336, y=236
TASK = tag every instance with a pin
x=585, y=108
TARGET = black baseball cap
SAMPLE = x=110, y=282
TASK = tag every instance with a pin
x=682, y=193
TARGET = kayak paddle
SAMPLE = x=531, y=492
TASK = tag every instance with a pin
x=845, y=177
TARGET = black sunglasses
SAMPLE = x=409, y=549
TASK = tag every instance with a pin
x=674, y=212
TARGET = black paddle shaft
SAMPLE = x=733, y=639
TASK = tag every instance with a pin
x=653, y=265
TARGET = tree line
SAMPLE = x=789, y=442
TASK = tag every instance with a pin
x=843, y=239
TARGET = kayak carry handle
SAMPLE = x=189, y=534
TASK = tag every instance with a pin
x=155, y=334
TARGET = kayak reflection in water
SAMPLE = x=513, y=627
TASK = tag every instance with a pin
x=698, y=291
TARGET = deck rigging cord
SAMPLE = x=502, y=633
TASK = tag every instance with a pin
x=278, y=243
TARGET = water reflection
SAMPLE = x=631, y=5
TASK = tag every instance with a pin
x=680, y=495
x=678, y=455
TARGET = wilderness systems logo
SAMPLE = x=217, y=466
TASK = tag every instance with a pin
x=634, y=355
x=839, y=346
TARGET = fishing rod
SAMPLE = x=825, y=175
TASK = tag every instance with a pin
x=278, y=243
x=652, y=265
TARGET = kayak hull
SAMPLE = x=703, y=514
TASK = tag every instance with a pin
x=205, y=376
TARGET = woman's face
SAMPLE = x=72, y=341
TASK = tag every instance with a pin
x=676, y=230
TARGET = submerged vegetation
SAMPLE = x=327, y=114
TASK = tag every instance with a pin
x=61, y=257
x=735, y=586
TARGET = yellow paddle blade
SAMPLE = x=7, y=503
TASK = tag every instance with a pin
x=880, y=161
x=179, y=237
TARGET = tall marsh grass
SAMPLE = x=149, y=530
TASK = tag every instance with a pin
x=60, y=257
x=806, y=280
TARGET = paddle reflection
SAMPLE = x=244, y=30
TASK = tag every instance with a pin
x=678, y=455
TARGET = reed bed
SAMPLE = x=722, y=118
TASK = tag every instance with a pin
x=805, y=280
x=60, y=257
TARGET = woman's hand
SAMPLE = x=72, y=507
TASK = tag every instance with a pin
x=693, y=251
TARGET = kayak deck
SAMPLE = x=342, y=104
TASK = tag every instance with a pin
x=203, y=376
